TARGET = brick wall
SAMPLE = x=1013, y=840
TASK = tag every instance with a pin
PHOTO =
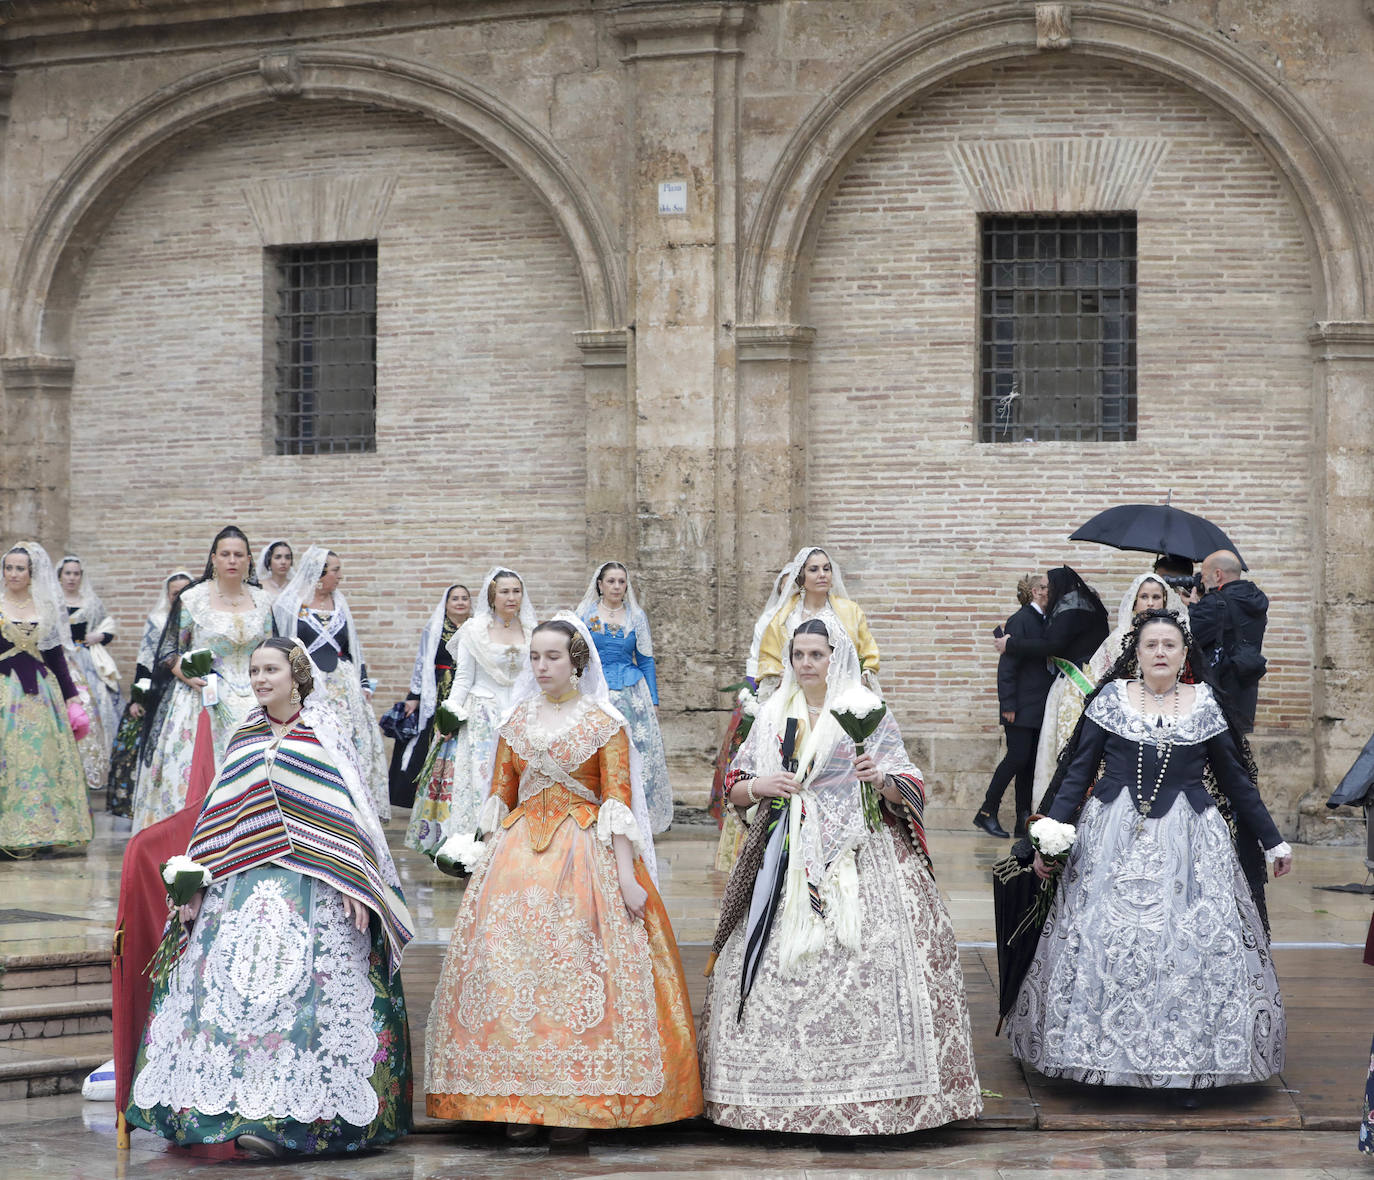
x=480, y=401
x=932, y=529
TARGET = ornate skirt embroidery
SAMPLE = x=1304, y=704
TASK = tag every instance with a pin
x=1152, y=969
x=279, y=1018
x=637, y=706
x=452, y=798
x=874, y=1041
x=344, y=692
x=42, y=786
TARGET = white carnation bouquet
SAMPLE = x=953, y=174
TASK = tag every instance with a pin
x=183, y=878
x=859, y=712
x=138, y=693
x=461, y=853
x=1052, y=840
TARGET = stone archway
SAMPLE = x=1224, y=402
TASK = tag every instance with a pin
x=774, y=337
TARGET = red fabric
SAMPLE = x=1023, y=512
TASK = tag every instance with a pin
x=143, y=911
x=1369, y=944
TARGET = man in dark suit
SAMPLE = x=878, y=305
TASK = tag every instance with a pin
x=1022, y=685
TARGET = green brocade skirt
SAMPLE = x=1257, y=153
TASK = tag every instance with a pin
x=279, y=1021
x=42, y=786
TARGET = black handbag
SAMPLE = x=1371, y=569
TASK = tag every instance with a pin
x=397, y=723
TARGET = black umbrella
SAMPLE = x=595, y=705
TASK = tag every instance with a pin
x=1015, y=891
x=1156, y=528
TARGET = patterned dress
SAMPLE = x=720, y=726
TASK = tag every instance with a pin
x=281, y=1019
x=554, y=1006
x=483, y=685
x=42, y=785
x=871, y=1036
x=165, y=769
x=1153, y=968
x=631, y=677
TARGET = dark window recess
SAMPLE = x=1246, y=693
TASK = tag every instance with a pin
x=1057, y=355
x=326, y=362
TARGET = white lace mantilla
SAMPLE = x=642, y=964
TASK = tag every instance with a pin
x=222, y=1041
x=1113, y=710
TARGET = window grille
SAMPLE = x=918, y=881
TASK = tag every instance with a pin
x=1058, y=347
x=326, y=354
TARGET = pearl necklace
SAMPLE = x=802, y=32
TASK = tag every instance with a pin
x=1143, y=805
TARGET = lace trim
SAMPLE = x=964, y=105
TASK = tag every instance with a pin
x=502, y=662
x=615, y=819
x=494, y=810
x=569, y=746
x=196, y=600
x=1278, y=852
x=1113, y=711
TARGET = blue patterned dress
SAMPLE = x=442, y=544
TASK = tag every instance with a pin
x=634, y=690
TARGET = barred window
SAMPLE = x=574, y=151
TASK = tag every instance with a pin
x=1057, y=351
x=326, y=347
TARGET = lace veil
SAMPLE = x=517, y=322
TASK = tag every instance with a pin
x=482, y=610
x=1111, y=648
x=157, y=614
x=91, y=604
x=264, y=558
x=53, y=628
x=592, y=685
x=299, y=591
x=423, y=677
x=785, y=584
x=639, y=621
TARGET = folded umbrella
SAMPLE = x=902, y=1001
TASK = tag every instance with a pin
x=1156, y=528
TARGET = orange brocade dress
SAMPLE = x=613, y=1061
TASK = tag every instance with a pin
x=554, y=1006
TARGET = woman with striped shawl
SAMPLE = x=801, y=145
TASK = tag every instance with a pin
x=283, y=1026
x=836, y=1004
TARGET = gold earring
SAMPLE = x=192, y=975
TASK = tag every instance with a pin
x=295, y=695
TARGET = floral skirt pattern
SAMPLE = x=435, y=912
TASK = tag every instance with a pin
x=1153, y=969
x=554, y=1006
x=344, y=692
x=119, y=787
x=452, y=798
x=636, y=704
x=279, y=1021
x=42, y=786
x=870, y=1041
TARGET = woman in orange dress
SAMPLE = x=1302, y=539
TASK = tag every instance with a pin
x=562, y=1000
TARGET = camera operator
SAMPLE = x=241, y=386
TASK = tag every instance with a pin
x=1228, y=615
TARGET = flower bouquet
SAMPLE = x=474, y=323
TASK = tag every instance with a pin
x=461, y=853
x=859, y=711
x=198, y=663
x=184, y=878
x=140, y=690
x=1052, y=840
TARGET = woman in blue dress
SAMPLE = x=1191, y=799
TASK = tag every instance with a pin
x=620, y=630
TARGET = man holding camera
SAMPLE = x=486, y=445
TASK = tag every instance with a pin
x=1228, y=615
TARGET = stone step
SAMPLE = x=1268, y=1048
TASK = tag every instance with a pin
x=51, y=1065
x=33, y=1013
x=56, y=969
x=1319, y=824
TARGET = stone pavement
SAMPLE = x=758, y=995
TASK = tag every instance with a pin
x=1298, y=1125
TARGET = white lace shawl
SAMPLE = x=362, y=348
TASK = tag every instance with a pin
x=53, y=627
x=1113, y=710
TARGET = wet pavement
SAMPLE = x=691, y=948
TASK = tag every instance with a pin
x=68, y=904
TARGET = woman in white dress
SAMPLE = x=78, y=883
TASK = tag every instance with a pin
x=227, y=613
x=489, y=652
x=313, y=609
x=836, y=1005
